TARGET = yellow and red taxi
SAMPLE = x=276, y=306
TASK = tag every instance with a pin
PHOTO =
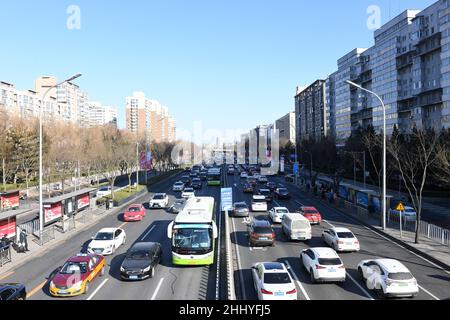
x=135, y=212
x=312, y=214
x=74, y=278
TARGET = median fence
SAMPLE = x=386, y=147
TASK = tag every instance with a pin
x=5, y=255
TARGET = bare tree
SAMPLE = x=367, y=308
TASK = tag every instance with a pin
x=442, y=165
x=414, y=155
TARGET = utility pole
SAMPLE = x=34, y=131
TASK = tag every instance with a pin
x=137, y=163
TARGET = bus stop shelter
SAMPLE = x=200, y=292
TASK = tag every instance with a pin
x=64, y=208
x=9, y=200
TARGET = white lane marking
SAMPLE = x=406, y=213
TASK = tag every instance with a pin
x=157, y=289
x=330, y=224
x=389, y=240
x=148, y=232
x=241, y=277
x=297, y=280
x=360, y=287
x=98, y=289
x=298, y=202
x=432, y=295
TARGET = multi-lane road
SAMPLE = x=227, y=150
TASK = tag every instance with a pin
x=209, y=283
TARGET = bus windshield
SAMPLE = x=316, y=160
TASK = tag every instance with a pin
x=192, y=238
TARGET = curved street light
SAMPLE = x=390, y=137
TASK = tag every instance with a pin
x=384, y=146
x=41, y=204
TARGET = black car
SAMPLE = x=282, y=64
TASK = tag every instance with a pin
x=271, y=186
x=177, y=206
x=203, y=175
x=12, y=291
x=266, y=193
x=141, y=261
x=196, y=183
x=186, y=180
x=282, y=193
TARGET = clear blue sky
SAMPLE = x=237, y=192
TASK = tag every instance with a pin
x=229, y=63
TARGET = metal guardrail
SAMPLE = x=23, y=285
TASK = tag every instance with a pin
x=48, y=234
x=230, y=272
x=434, y=233
x=5, y=255
x=31, y=227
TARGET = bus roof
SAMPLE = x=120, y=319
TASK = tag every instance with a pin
x=197, y=210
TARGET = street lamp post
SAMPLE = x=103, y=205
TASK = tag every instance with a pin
x=41, y=204
x=384, y=147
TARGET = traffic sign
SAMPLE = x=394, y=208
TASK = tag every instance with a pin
x=400, y=207
x=296, y=168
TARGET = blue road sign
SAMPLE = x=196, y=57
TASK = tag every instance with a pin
x=296, y=168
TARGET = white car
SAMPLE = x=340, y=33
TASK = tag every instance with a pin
x=159, y=200
x=276, y=214
x=272, y=281
x=409, y=215
x=244, y=175
x=106, y=241
x=178, y=186
x=323, y=265
x=388, y=277
x=188, y=193
x=259, y=203
x=341, y=239
x=103, y=192
x=262, y=179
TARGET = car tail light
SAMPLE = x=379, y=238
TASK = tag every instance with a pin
x=319, y=267
x=356, y=242
x=273, y=235
x=342, y=267
x=264, y=291
x=340, y=242
x=292, y=291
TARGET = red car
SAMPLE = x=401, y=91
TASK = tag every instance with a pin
x=77, y=274
x=311, y=214
x=135, y=212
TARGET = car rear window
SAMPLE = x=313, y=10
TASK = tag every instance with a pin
x=330, y=261
x=400, y=276
x=279, y=277
x=241, y=206
x=134, y=209
x=283, y=190
x=262, y=230
x=158, y=197
x=259, y=200
x=345, y=235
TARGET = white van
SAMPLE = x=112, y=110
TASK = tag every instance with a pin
x=296, y=227
x=259, y=203
x=103, y=192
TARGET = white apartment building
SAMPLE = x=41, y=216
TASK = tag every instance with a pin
x=100, y=115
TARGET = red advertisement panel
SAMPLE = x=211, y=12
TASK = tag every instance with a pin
x=9, y=200
x=83, y=201
x=52, y=212
x=8, y=227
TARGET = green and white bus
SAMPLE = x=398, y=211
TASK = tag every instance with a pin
x=214, y=177
x=193, y=233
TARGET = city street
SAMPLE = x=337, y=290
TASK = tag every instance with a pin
x=200, y=283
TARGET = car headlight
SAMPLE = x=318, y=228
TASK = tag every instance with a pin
x=122, y=269
x=52, y=285
x=77, y=286
x=146, y=269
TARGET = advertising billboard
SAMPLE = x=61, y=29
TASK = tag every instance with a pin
x=83, y=201
x=145, y=161
x=362, y=199
x=8, y=227
x=52, y=212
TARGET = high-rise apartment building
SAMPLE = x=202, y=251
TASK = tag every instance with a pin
x=148, y=118
x=286, y=127
x=100, y=115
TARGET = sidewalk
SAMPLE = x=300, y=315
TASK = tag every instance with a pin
x=427, y=248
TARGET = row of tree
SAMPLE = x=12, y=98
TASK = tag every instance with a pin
x=70, y=151
x=417, y=161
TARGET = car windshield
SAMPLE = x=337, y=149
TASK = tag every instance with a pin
x=158, y=197
x=134, y=209
x=330, y=261
x=311, y=212
x=179, y=184
x=74, y=267
x=345, y=235
x=400, y=276
x=188, y=190
x=104, y=189
x=282, y=211
x=259, y=200
x=279, y=277
x=104, y=236
x=262, y=230
x=187, y=238
x=282, y=190
x=181, y=202
x=240, y=206
x=138, y=255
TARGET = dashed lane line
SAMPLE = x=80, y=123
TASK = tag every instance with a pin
x=157, y=289
x=98, y=289
x=432, y=295
x=148, y=232
x=360, y=287
x=298, y=281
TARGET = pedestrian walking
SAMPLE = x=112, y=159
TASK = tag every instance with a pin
x=107, y=204
x=24, y=240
